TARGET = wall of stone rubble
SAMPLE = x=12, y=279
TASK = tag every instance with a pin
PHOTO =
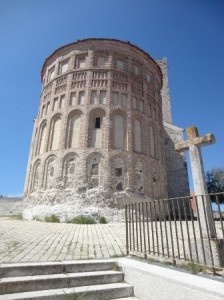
x=67, y=204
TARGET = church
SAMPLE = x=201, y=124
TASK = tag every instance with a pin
x=103, y=135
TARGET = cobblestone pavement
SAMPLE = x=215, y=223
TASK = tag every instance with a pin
x=33, y=241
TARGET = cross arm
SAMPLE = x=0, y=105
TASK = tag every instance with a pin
x=205, y=140
x=182, y=146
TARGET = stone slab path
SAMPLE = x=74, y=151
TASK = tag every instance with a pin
x=33, y=241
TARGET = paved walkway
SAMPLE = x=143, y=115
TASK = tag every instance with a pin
x=33, y=241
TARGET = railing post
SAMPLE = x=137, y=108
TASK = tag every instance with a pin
x=126, y=225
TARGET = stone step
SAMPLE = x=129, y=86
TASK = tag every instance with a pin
x=95, y=292
x=45, y=268
x=53, y=281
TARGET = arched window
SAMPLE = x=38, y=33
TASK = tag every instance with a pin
x=93, y=170
x=43, y=139
x=49, y=173
x=35, y=176
x=74, y=130
x=138, y=136
x=41, y=142
x=119, y=132
x=96, y=128
x=55, y=133
x=152, y=141
x=69, y=165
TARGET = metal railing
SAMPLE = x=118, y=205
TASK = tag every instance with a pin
x=178, y=229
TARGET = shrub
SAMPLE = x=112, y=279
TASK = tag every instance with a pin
x=102, y=220
x=52, y=219
x=83, y=220
x=37, y=219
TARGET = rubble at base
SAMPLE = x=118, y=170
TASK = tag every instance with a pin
x=67, y=204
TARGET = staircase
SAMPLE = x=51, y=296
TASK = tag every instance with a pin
x=80, y=280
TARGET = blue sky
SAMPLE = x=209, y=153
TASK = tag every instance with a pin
x=189, y=33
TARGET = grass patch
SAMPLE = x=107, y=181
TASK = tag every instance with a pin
x=191, y=267
x=118, y=255
x=82, y=220
x=102, y=220
x=14, y=243
x=76, y=297
x=194, y=268
x=16, y=217
x=115, y=267
x=52, y=219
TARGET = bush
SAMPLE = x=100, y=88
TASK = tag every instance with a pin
x=102, y=220
x=83, y=220
x=52, y=219
x=37, y=219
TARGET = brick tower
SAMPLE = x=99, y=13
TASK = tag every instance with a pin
x=98, y=139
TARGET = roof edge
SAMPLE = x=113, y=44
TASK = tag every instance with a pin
x=101, y=39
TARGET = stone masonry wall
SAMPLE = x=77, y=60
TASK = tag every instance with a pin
x=11, y=206
x=177, y=173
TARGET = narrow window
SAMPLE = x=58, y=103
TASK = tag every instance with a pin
x=149, y=110
x=154, y=114
x=134, y=103
x=81, y=98
x=95, y=169
x=119, y=134
x=141, y=106
x=119, y=186
x=97, y=123
x=56, y=128
x=42, y=113
x=63, y=67
x=115, y=98
x=149, y=77
x=61, y=103
x=101, y=61
x=124, y=100
x=74, y=137
x=72, y=99
x=118, y=172
x=42, y=139
x=120, y=64
x=93, y=97
x=152, y=141
x=55, y=104
x=138, y=136
x=136, y=70
x=47, y=107
x=50, y=74
x=102, y=97
x=81, y=62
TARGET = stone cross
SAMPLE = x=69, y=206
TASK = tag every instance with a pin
x=194, y=144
